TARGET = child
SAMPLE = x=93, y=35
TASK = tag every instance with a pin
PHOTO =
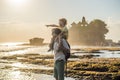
x=63, y=34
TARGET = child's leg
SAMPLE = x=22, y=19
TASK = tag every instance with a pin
x=51, y=44
x=65, y=37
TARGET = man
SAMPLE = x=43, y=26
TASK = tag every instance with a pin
x=59, y=56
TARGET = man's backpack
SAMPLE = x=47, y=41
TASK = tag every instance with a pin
x=67, y=52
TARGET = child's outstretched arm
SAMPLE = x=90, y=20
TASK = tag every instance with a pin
x=52, y=25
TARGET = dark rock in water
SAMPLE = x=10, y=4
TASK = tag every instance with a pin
x=89, y=56
x=76, y=68
x=107, y=77
x=36, y=41
x=117, y=77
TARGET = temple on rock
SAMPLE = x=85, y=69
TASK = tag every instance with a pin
x=84, y=33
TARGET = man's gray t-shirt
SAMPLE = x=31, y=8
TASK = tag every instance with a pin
x=59, y=55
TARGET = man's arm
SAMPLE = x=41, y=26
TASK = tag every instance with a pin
x=52, y=25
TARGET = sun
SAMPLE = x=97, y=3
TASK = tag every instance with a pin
x=17, y=3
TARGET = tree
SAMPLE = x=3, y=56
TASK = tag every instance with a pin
x=98, y=30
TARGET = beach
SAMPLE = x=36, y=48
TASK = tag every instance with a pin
x=20, y=62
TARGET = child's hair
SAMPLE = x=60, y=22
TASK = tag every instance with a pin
x=63, y=20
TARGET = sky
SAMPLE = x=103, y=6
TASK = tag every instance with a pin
x=21, y=20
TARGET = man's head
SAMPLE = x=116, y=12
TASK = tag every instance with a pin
x=56, y=32
x=62, y=22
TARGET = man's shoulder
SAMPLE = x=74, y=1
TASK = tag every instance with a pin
x=63, y=40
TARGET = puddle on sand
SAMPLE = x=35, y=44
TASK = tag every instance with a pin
x=9, y=71
x=17, y=75
x=30, y=66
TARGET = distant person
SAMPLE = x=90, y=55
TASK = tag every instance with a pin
x=63, y=34
x=59, y=56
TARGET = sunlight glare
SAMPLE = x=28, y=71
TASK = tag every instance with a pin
x=18, y=65
x=11, y=43
x=17, y=3
x=15, y=74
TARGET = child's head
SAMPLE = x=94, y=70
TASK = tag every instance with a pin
x=56, y=32
x=62, y=22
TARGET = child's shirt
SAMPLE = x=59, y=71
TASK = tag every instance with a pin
x=65, y=31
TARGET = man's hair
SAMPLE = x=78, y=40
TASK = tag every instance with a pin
x=56, y=31
x=63, y=20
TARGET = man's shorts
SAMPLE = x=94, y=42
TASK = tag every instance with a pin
x=59, y=69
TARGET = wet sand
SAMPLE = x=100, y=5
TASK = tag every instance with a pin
x=32, y=65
